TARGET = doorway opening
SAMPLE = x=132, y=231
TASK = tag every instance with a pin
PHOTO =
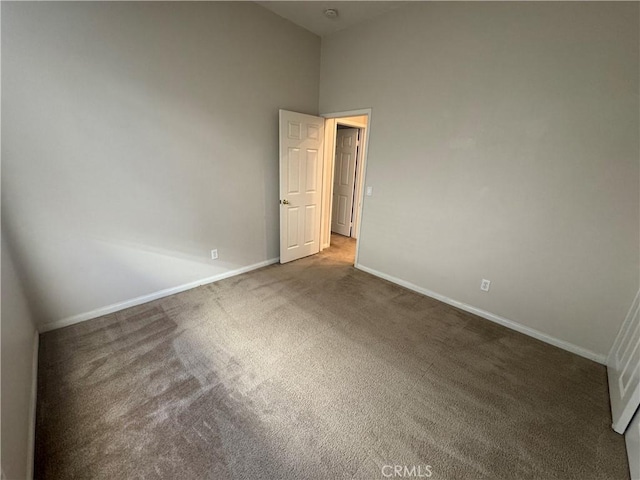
x=346, y=138
x=345, y=178
x=310, y=199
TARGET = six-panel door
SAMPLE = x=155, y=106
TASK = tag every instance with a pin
x=301, y=156
x=623, y=367
x=344, y=180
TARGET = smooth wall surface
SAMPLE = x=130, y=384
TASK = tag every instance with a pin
x=504, y=145
x=136, y=137
x=18, y=334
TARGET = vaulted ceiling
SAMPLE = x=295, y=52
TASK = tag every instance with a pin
x=310, y=14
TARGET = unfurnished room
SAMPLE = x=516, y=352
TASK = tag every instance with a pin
x=320, y=240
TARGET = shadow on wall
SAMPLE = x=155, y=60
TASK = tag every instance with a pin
x=10, y=245
x=135, y=132
x=124, y=270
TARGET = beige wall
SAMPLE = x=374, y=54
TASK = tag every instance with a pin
x=137, y=137
x=504, y=145
x=18, y=342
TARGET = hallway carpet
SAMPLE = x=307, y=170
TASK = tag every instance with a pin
x=315, y=370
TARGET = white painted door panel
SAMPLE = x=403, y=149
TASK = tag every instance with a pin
x=344, y=180
x=632, y=439
x=301, y=142
x=623, y=367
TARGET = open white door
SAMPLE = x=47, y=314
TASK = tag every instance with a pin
x=344, y=178
x=623, y=367
x=632, y=439
x=301, y=156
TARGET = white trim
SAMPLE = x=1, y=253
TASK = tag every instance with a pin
x=99, y=312
x=361, y=162
x=570, y=347
x=365, y=159
x=347, y=113
x=330, y=129
x=32, y=407
x=350, y=123
x=611, y=360
x=623, y=405
x=361, y=155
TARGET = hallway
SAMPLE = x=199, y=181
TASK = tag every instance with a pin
x=342, y=249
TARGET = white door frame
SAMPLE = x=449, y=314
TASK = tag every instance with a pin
x=360, y=200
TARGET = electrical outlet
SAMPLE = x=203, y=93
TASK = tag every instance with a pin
x=484, y=285
x=369, y=191
x=214, y=254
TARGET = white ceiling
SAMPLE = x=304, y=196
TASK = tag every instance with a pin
x=310, y=14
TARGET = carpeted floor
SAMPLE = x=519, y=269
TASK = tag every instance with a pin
x=315, y=370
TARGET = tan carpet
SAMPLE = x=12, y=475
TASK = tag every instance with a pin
x=315, y=370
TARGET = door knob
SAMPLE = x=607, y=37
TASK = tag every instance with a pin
x=285, y=202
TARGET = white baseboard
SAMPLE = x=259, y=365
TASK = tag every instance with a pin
x=570, y=347
x=32, y=407
x=82, y=317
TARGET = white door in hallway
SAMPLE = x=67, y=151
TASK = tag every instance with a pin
x=623, y=368
x=344, y=178
x=301, y=156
